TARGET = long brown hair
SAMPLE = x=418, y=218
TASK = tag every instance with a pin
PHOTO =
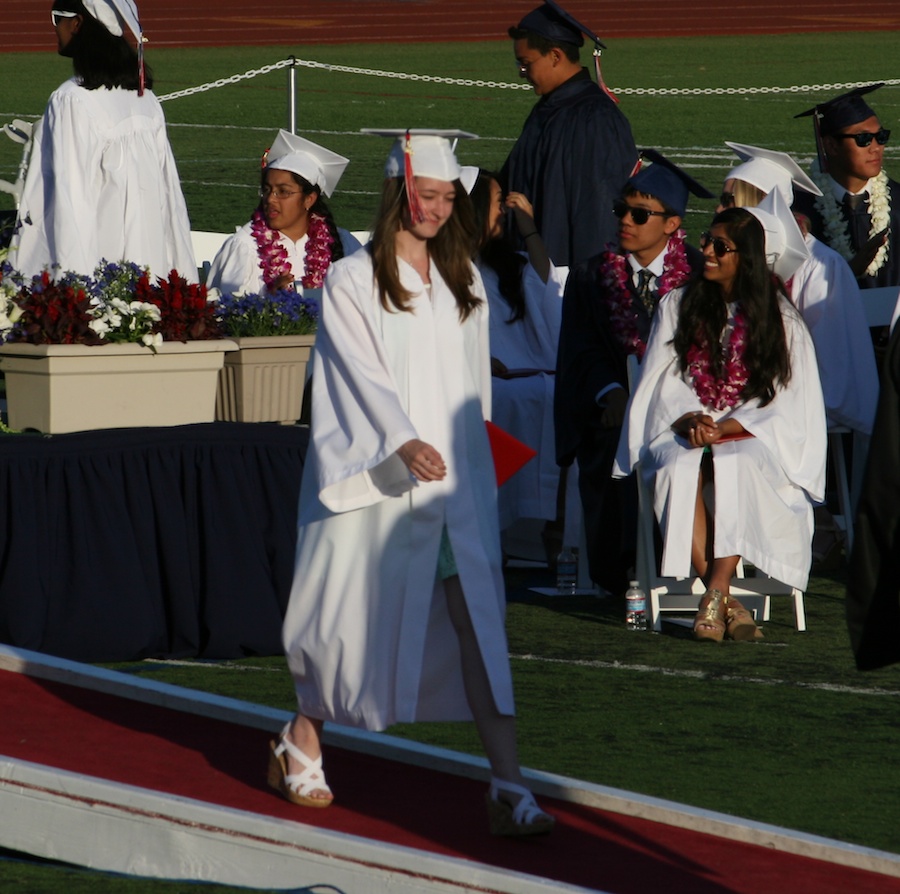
x=702, y=314
x=450, y=249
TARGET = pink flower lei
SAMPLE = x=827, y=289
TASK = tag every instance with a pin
x=273, y=256
x=721, y=393
x=616, y=276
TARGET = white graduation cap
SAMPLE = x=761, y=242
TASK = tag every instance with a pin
x=785, y=246
x=424, y=152
x=767, y=169
x=115, y=15
x=320, y=166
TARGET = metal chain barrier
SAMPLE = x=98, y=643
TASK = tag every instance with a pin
x=223, y=82
x=471, y=82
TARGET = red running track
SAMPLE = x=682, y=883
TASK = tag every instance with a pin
x=188, y=23
x=125, y=741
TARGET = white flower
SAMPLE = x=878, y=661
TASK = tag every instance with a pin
x=152, y=341
x=99, y=325
x=836, y=234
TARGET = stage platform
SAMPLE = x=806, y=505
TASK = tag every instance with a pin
x=110, y=772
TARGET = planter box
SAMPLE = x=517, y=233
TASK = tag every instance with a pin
x=65, y=388
x=263, y=381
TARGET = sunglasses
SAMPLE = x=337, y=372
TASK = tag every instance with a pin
x=58, y=14
x=864, y=138
x=720, y=246
x=640, y=216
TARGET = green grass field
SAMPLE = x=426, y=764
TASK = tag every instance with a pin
x=785, y=732
x=219, y=135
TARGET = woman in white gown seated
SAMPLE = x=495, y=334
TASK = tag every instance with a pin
x=524, y=292
x=727, y=420
x=292, y=238
x=397, y=609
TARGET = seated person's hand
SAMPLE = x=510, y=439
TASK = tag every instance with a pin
x=701, y=430
x=613, y=412
x=867, y=252
x=698, y=429
x=285, y=281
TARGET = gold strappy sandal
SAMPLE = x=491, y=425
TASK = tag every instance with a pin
x=709, y=622
x=739, y=623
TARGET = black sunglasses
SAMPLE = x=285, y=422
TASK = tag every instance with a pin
x=864, y=137
x=640, y=216
x=720, y=246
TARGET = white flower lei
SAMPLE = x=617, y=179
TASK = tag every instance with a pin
x=836, y=234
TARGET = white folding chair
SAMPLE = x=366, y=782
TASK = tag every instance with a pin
x=682, y=595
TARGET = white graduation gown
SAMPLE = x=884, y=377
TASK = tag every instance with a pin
x=764, y=487
x=102, y=183
x=367, y=633
x=523, y=406
x=825, y=292
x=235, y=268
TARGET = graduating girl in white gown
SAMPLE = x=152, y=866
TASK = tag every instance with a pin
x=727, y=420
x=397, y=609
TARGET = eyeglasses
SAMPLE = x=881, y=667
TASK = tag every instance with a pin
x=726, y=200
x=720, y=246
x=640, y=216
x=864, y=137
x=58, y=14
x=279, y=192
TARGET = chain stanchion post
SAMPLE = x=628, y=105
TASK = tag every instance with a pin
x=292, y=95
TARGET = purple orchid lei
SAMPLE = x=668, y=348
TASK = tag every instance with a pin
x=616, y=275
x=721, y=393
x=273, y=256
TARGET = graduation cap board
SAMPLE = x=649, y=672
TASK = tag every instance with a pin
x=786, y=248
x=320, y=166
x=835, y=114
x=666, y=181
x=553, y=23
x=115, y=16
x=421, y=152
x=767, y=169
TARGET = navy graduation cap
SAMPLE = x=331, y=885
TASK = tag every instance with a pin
x=552, y=22
x=842, y=111
x=835, y=114
x=667, y=182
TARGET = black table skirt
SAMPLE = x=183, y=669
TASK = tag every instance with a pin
x=125, y=544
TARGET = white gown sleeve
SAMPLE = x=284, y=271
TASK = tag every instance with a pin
x=235, y=268
x=359, y=421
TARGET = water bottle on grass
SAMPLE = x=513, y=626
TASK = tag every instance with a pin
x=566, y=572
x=635, y=607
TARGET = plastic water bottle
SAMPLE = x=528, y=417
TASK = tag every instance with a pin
x=566, y=572
x=635, y=607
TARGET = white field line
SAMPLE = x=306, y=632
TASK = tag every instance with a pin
x=703, y=675
x=568, y=662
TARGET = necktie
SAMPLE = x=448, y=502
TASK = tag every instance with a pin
x=857, y=216
x=645, y=293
